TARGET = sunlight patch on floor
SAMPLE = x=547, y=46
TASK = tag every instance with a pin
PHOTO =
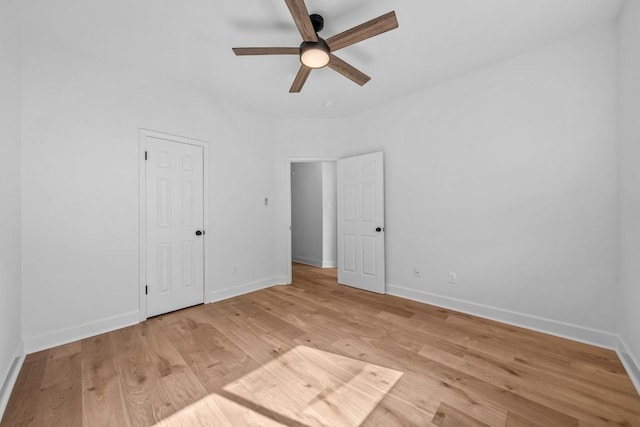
x=217, y=411
x=317, y=388
x=302, y=386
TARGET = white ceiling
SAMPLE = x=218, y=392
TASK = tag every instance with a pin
x=191, y=41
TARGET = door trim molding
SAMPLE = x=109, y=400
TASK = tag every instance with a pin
x=142, y=209
x=290, y=160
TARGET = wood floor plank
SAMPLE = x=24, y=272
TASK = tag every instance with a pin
x=254, y=346
x=373, y=303
x=102, y=399
x=61, y=390
x=66, y=350
x=24, y=403
x=217, y=411
x=542, y=386
x=146, y=402
x=396, y=411
x=421, y=379
x=177, y=380
x=515, y=420
x=215, y=359
x=539, y=387
x=318, y=353
x=448, y=416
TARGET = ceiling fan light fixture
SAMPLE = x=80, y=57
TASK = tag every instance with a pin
x=314, y=52
x=315, y=55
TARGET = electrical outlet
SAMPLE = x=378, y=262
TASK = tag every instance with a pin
x=417, y=272
x=452, y=278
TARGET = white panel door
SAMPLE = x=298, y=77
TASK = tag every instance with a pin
x=361, y=222
x=174, y=225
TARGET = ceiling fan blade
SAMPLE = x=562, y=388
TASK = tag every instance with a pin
x=348, y=71
x=300, y=16
x=300, y=79
x=240, y=51
x=369, y=29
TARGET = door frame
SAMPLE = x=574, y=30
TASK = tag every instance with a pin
x=143, y=134
x=291, y=160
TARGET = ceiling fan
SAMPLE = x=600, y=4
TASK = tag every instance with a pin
x=315, y=52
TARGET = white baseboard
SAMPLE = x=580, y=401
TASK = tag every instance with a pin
x=89, y=329
x=64, y=336
x=329, y=263
x=307, y=261
x=630, y=362
x=234, y=291
x=548, y=326
x=6, y=387
x=281, y=280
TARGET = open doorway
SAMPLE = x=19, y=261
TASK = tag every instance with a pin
x=314, y=214
x=359, y=225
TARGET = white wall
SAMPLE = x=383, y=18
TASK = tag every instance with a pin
x=630, y=181
x=10, y=292
x=506, y=176
x=84, y=100
x=306, y=213
x=329, y=215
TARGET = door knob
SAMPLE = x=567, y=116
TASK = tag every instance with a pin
x=199, y=233
x=378, y=229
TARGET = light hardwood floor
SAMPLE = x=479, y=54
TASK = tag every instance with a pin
x=316, y=353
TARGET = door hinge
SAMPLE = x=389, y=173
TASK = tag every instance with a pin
x=145, y=155
x=146, y=290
